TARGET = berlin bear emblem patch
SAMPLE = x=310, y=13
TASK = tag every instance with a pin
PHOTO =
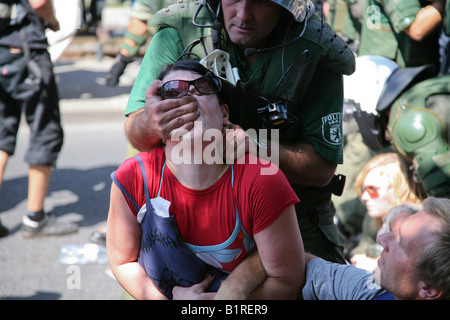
x=332, y=128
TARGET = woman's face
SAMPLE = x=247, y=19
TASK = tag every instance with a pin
x=211, y=113
x=377, y=193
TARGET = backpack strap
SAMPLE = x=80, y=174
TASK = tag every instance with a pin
x=144, y=176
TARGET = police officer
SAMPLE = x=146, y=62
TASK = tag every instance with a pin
x=413, y=115
x=402, y=30
x=135, y=37
x=362, y=90
x=346, y=18
x=286, y=57
x=406, y=33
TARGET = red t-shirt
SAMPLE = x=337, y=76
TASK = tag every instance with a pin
x=207, y=217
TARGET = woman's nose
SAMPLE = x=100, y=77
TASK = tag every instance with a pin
x=192, y=90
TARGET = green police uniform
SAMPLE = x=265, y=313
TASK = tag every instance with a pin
x=144, y=11
x=136, y=37
x=345, y=17
x=383, y=33
x=312, y=89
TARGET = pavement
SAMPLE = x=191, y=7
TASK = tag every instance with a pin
x=94, y=146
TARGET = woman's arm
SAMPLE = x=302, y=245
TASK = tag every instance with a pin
x=123, y=242
x=280, y=248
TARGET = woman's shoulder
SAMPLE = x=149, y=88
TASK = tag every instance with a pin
x=149, y=159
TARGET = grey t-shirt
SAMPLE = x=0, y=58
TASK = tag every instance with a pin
x=332, y=281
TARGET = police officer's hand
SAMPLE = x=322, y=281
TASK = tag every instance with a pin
x=113, y=75
x=165, y=117
x=195, y=292
x=237, y=143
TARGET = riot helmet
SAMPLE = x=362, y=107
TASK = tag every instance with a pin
x=362, y=90
x=299, y=9
x=373, y=122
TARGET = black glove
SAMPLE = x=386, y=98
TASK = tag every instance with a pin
x=113, y=75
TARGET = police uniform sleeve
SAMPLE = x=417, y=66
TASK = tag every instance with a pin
x=164, y=49
x=401, y=13
x=321, y=116
x=320, y=109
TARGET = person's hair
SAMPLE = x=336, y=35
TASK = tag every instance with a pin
x=433, y=266
x=185, y=64
x=396, y=171
x=197, y=67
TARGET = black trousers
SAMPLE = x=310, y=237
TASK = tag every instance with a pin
x=37, y=97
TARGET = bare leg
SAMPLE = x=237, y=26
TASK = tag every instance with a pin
x=3, y=161
x=38, y=182
x=36, y=222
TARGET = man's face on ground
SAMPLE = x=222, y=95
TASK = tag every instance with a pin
x=250, y=22
x=402, y=249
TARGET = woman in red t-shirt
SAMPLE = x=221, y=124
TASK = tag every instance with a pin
x=222, y=211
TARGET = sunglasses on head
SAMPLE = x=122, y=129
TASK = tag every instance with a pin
x=179, y=88
x=372, y=191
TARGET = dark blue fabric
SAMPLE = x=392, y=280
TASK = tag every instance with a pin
x=385, y=296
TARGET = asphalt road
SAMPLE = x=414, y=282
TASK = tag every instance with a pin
x=95, y=145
